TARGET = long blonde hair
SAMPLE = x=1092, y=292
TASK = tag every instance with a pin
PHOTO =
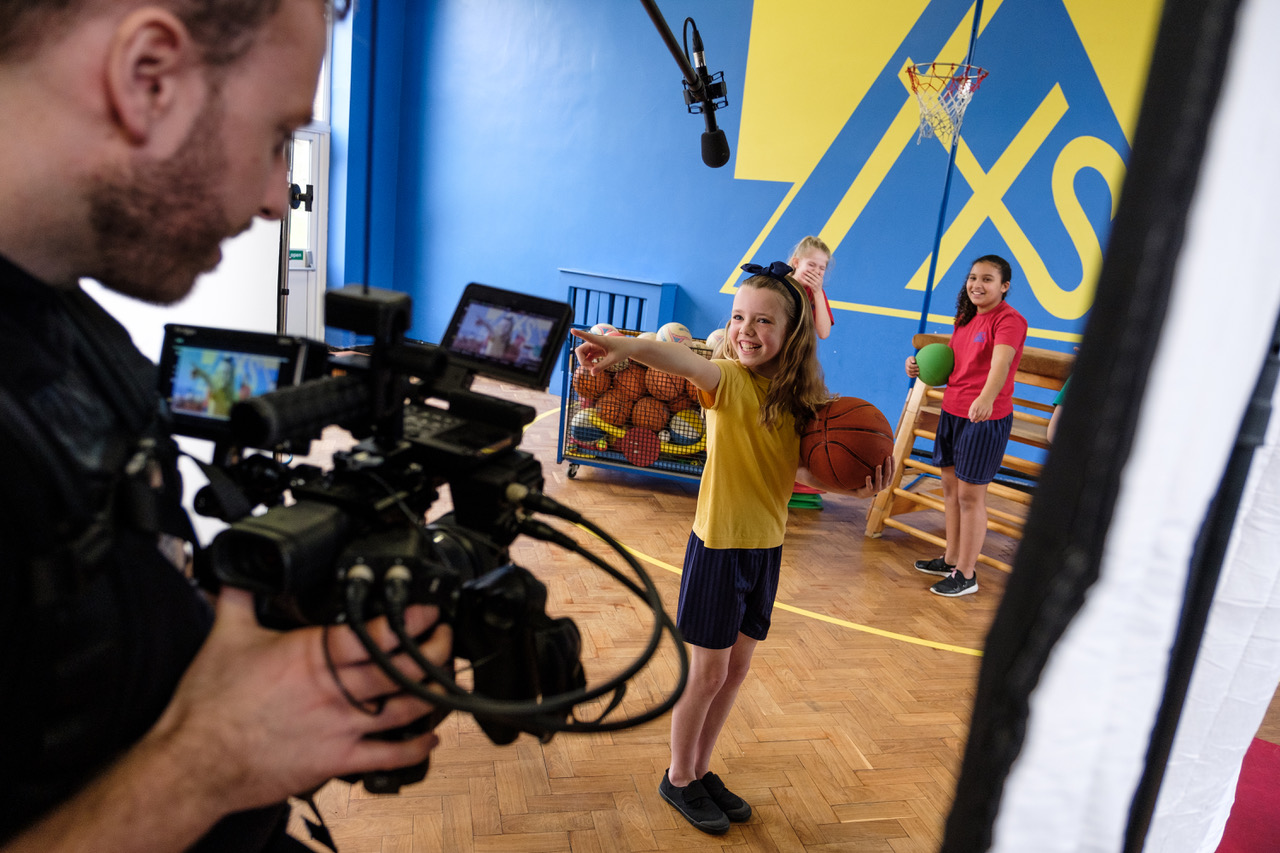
x=798, y=385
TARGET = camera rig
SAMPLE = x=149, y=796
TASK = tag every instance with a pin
x=351, y=543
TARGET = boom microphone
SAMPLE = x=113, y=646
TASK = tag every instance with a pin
x=715, y=148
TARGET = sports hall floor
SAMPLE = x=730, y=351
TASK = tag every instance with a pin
x=847, y=735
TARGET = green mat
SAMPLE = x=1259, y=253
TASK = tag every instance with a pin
x=799, y=501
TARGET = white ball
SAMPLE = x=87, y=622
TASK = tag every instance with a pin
x=603, y=329
x=675, y=333
x=716, y=336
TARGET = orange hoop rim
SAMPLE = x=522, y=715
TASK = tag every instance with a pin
x=928, y=74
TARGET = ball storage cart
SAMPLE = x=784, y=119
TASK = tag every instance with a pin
x=631, y=417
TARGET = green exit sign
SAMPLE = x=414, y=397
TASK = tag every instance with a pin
x=297, y=254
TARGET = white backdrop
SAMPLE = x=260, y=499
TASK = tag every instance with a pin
x=1092, y=714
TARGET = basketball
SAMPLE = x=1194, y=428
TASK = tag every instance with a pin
x=935, y=361
x=664, y=386
x=629, y=382
x=845, y=442
x=650, y=413
x=590, y=386
x=675, y=333
x=614, y=408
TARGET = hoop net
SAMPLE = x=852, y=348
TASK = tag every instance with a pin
x=944, y=90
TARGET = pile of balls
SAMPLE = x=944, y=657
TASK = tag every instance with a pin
x=638, y=411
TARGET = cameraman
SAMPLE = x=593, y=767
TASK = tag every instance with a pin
x=138, y=134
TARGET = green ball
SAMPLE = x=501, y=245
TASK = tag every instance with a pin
x=936, y=361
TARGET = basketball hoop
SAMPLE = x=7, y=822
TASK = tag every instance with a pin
x=944, y=90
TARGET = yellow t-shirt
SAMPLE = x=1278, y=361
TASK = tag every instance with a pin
x=746, y=483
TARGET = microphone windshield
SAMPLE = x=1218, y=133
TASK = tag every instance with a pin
x=715, y=148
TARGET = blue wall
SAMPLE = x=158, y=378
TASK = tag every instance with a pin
x=506, y=140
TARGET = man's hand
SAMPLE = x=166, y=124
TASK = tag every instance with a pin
x=258, y=716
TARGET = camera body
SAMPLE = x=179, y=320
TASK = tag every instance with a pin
x=419, y=427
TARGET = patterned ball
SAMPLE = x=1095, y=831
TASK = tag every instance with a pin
x=675, y=333
x=603, y=329
x=581, y=428
x=687, y=427
x=716, y=336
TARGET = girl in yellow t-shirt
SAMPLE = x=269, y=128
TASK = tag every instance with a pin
x=756, y=400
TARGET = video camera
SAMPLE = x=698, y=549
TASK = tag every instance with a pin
x=348, y=544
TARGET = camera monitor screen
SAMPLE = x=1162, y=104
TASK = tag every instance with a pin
x=204, y=372
x=506, y=335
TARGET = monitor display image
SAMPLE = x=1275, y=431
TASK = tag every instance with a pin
x=496, y=333
x=507, y=335
x=208, y=382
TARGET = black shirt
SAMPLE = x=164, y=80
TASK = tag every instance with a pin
x=92, y=641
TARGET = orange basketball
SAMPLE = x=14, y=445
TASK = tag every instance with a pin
x=630, y=382
x=679, y=404
x=845, y=442
x=650, y=413
x=590, y=386
x=664, y=386
x=614, y=408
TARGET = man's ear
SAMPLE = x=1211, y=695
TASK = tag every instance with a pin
x=152, y=69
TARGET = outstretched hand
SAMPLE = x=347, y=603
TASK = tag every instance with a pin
x=597, y=352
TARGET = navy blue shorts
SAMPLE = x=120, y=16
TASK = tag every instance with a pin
x=726, y=591
x=974, y=450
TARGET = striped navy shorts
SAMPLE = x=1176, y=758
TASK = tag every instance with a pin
x=974, y=450
x=726, y=591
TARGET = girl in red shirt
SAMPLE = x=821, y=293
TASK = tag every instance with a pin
x=977, y=416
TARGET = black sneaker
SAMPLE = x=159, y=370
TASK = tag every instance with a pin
x=937, y=566
x=734, y=807
x=955, y=584
x=696, y=805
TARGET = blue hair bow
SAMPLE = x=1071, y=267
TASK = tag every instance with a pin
x=779, y=271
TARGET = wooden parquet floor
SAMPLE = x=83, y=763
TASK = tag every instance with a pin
x=847, y=734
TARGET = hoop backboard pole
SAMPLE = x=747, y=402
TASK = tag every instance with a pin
x=946, y=184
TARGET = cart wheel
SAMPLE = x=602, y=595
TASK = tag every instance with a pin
x=573, y=470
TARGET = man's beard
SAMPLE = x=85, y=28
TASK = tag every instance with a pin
x=160, y=225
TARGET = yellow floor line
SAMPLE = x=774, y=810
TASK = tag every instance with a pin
x=867, y=629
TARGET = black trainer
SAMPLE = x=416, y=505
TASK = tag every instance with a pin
x=734, y=807
x=696, y=805
x=937, y=566
x=955, y=584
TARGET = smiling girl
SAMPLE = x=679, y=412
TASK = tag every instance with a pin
x=756, y=400
x=977, y=416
